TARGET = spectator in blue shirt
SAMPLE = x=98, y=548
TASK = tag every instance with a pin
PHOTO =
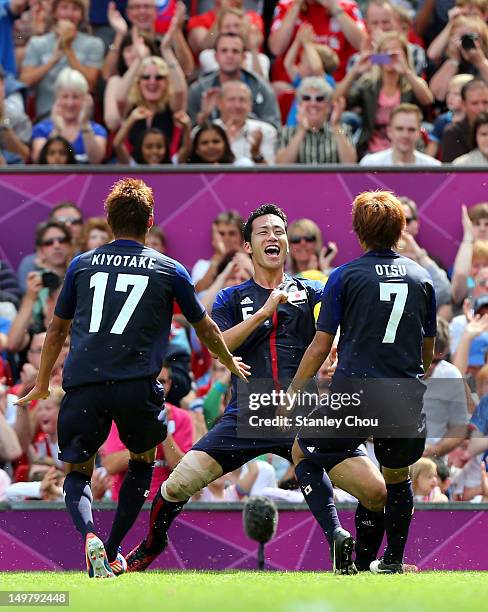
x=70, y=117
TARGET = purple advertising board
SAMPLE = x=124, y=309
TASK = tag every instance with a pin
x=208, y=539
x=186, y=202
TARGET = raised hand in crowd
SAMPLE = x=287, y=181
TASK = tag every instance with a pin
x=327, y=256
x=210, y=97
x=117, y=22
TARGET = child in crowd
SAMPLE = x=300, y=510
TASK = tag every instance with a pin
x=453, y=114
x=57, y=151
x=210, y=145
x=425, y=482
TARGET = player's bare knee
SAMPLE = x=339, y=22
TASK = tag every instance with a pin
x=375, y=497
x=194, y=472
x=395, y=475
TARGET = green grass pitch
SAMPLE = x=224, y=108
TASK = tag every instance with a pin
x=190, y=591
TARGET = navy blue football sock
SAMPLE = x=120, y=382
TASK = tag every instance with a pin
x=163, y=513
x=133, y=493
x=398, y=514
x=319, y=495
x=370, y=528
x=78, y=499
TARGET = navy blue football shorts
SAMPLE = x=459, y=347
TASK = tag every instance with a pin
x=393, y=453
x=86, y=415
x=231, y=452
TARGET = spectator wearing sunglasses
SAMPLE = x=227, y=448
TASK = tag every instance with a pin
x=307, y=252
x=54, y=252
x=319, y=137
x=410, y=248
x=156, y=99
x=71, y=216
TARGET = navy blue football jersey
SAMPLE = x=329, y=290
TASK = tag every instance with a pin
x=274, y=350
x=120, y=298
x=385, y=305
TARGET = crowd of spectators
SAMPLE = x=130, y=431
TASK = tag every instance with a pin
x=244, y=82
x=144, y=82
x=197, y=387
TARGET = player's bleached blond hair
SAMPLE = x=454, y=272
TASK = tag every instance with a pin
x=378, y=219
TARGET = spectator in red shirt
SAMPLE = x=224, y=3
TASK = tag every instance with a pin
x=203, y=29
x=336, y=23
x=178, y=441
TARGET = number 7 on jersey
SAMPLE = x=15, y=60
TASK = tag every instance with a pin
x=400, y=291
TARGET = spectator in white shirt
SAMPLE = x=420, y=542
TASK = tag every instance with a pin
x=252, y=141
x=403, y=132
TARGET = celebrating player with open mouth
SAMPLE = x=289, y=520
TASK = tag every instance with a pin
x=385, y=307
x=270, y=328
x=118, y=301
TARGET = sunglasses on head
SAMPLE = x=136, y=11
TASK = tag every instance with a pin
x=51, y=241
x=307, y=238
x=156, y=77
x=70, y=220
x=309, y=98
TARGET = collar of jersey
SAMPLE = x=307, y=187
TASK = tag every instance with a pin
x=123, y=242
x=380, y=253
x=286, y=277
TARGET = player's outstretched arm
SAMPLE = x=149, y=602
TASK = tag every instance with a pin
x=235, y=336
x=56, y=335
x=314, y=357
x=211, y=336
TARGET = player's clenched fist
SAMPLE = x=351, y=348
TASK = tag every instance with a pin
x=277, y=297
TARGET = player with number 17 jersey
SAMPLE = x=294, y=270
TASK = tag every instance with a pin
x=120, y=297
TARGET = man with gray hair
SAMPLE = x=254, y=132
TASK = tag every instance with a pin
x=319, y=137
x=252, y=141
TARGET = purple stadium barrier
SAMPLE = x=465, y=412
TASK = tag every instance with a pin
x=212, y=538
x=187, y=201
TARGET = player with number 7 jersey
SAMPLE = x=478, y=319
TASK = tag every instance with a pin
x=118, y=301
x=384, y=305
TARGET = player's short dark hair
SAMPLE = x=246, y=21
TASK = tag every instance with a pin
x=264, y=209
x=42, y=228
x=129, y=206
x=478, y=212
x=378, y=219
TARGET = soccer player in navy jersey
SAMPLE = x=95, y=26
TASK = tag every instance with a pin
x=385, y=307
x=269, y=322
x=118, y=302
